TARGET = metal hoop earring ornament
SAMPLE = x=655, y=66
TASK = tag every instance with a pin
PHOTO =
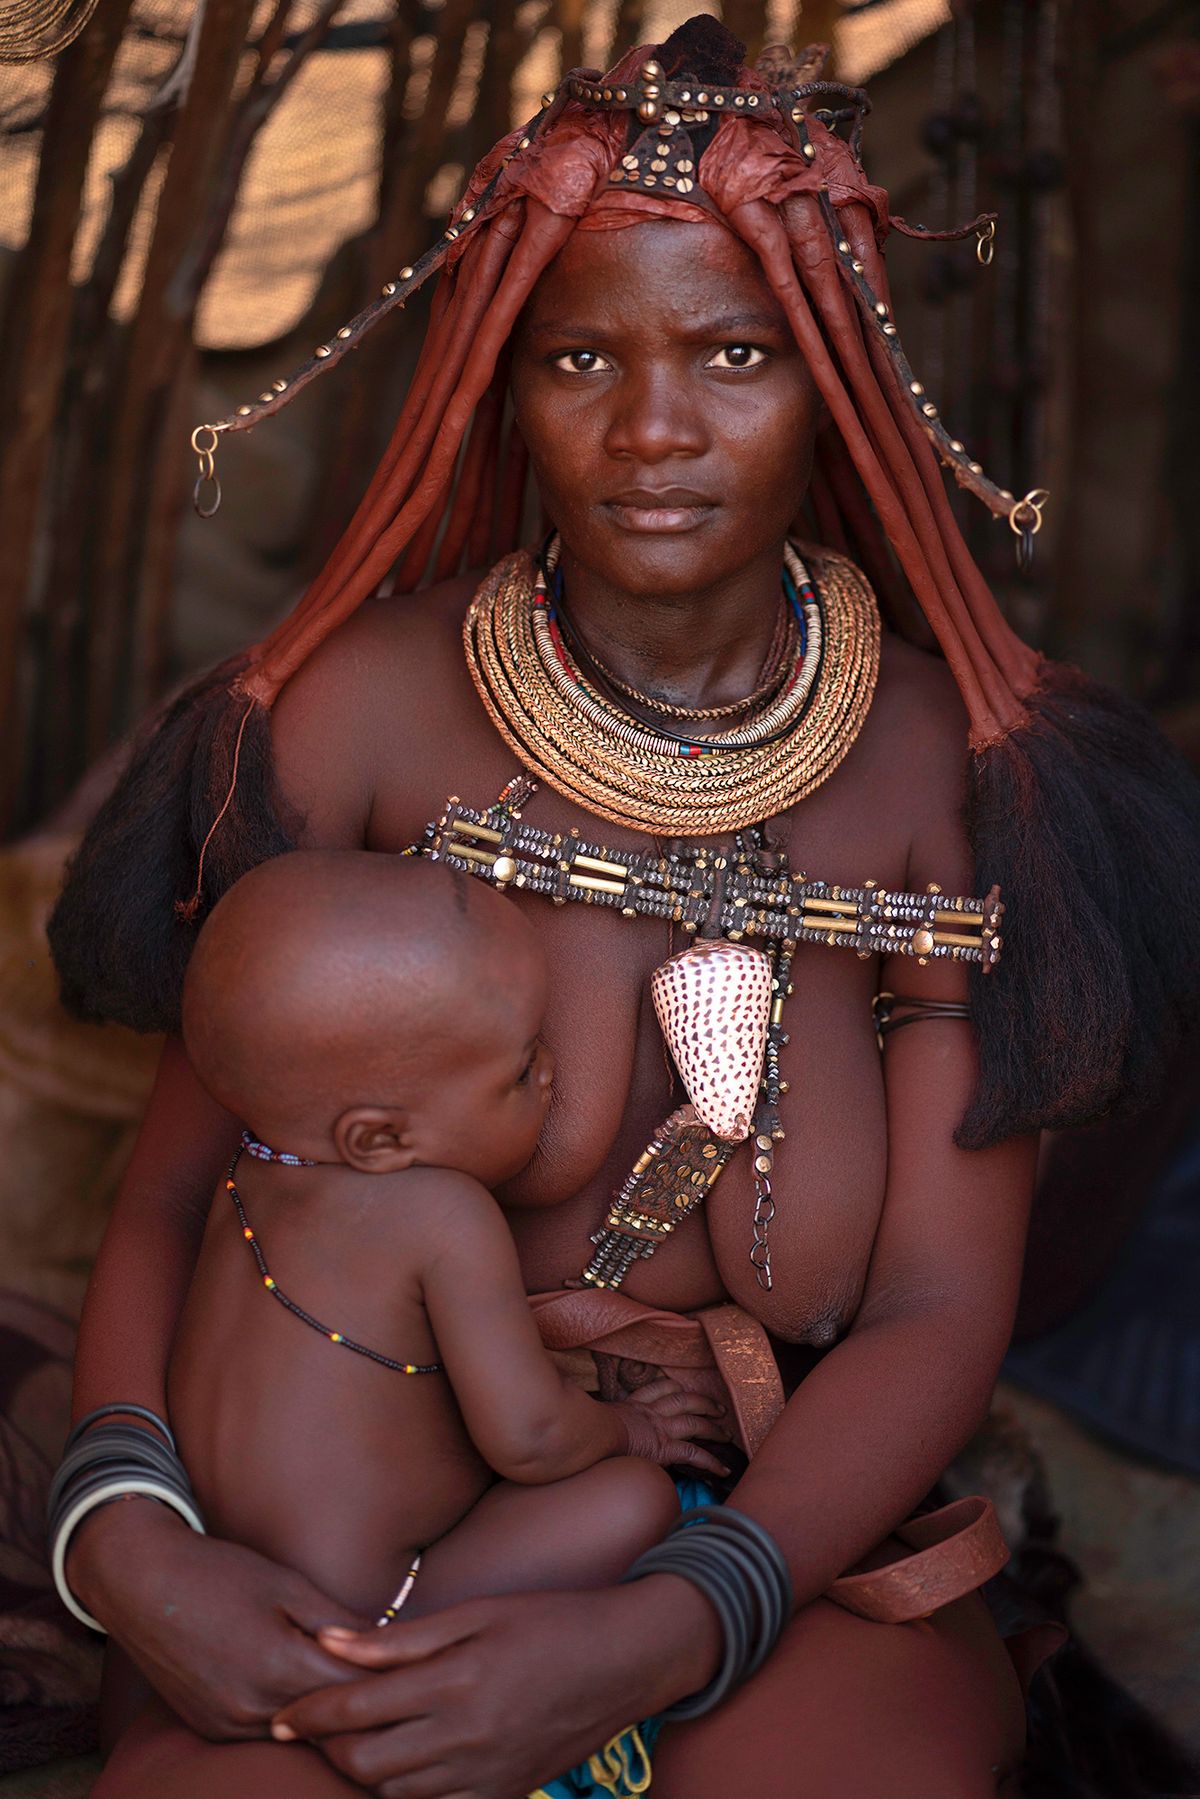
x=1025, y=520
x=206, y=506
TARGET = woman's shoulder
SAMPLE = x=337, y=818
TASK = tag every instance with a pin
x=917, y=696
x=397, y=662
x=918, y=727
x=388, y=639
x=916, y=720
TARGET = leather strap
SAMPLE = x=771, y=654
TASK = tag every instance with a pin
x=724, y=1338
x=955, y=1550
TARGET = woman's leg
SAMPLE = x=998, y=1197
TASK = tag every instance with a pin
x=160, y=1758
x=849, y=1709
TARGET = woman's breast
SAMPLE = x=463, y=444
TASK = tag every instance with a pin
x=615, y=1084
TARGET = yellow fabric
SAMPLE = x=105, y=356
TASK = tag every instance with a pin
x=612, y=1768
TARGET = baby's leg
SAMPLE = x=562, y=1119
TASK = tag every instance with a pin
x=579, y=1532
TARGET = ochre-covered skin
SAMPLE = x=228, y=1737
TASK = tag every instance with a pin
x=892, y=1250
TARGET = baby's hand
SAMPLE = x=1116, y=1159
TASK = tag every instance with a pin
x=661, y=1420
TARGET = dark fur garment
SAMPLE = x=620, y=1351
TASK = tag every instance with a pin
x=1090, y=821
x=117, y=936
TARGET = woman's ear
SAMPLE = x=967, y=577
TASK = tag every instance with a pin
x=375, y=1139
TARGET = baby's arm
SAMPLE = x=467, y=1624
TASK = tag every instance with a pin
x=528, y=1422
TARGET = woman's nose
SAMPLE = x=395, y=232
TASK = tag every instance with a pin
x=654, y=418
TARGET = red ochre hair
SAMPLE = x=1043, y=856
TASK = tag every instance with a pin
x=1076, y=805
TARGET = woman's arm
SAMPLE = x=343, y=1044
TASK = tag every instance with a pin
x=145, y=1262
x=872, y=1427
x=234, y=1638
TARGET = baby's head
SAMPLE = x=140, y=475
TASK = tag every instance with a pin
x=374, y=1010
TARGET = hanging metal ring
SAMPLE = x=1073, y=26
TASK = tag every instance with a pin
x=208, y=504
x=207, y=508
x=985, y=242
x=1025, y=519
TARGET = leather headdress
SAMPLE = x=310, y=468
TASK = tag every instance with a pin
x=756, y=150
x=1076, y=806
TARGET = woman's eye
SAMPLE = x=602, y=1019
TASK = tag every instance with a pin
x=581, y=362
x=738, y=356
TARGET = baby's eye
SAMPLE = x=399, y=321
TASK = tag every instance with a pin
x=581, y=362
x=523, y=1077
x=738, y=356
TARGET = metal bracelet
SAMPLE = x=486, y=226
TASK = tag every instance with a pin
x=120, y=1410
x=736, y=1563
x=107, y=1461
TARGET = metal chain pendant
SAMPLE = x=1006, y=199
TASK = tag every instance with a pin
x=760, y=1249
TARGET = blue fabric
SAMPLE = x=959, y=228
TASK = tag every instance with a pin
x=607, y=1775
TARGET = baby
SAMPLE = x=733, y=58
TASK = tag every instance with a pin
x=357, y=1362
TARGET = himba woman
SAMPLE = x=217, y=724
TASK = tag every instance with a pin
x=681, y=739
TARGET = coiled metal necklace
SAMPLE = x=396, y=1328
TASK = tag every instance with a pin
x=594, y=751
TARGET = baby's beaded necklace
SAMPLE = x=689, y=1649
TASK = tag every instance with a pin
x=261, y=1153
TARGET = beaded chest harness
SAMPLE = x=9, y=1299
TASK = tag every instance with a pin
x=721, y=1001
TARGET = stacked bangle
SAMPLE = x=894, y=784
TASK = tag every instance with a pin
x=740, y=1569
x=106, y=1461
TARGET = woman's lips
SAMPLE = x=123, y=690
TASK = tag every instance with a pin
x=662, y=513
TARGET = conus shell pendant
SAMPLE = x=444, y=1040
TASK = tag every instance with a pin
x=713, y=1002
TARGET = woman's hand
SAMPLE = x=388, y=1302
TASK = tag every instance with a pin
x=224, y=1635
x=490, y=1699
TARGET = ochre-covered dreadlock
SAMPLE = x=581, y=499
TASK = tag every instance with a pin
x=1076, y=805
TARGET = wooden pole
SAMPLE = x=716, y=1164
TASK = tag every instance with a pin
x=35, y=346
x=412, y=150
x=168, y=469
x=95, y=366
x=160, y=334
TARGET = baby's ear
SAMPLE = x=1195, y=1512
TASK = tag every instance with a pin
x=375, y=1139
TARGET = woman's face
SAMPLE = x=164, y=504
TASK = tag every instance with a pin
x=669, y=414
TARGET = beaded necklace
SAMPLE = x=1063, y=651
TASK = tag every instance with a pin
x=748, y=891
x=251, y=1146
x=774, y=723
x=777, y=666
